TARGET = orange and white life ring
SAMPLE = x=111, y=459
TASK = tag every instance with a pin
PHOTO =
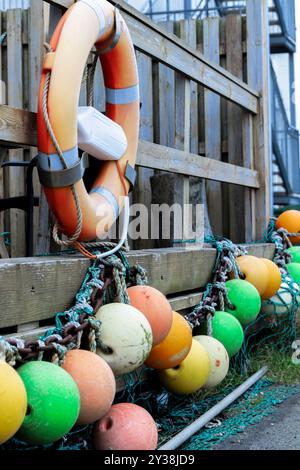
x=86, y=24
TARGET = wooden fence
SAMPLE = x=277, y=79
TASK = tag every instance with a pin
x=204, y=126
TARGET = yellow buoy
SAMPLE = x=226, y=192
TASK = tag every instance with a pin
x=255, y=271
x=219, y=360
x=13, y=402
x=190, y=375
x=274, y=279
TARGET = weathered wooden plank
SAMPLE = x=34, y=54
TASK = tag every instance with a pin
x=3, y=152
x=177, y=161
x=258, y=77
x=183, y=119
x=17, y=127
x=164, y=100
x=15, y=181
x=142, y=190
x=164, y=110
x=33, y=289
x=183, y=302
x=30, y=332
x=155, y=41
x=36, y=37
x=234, y=64
x=3, y=249
x=212, y=106
x=248, y=160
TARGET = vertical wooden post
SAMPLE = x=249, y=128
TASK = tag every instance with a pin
x=142, y=191
x=258, y=78
x=164, y=100
x=162, y=187
x=186, y=30
x=35, y=58
x=16, y=185
x=3, y=151
x=234, y=64
x=212, y=105
x=35, y=55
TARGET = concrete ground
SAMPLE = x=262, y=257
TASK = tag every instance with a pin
x=279, y=431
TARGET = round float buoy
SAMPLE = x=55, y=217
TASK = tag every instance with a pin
x=255, y=272
x=13, y=402
x=274, y=281
x=174, y=348
x=294, y=271
x=290, y=220
x=156, y=308
x=126, y=335
x=280, y=303
x=126, y=427
x=219, y=360
x=53, y=403
x=294, y=251
x=245, y=299
x=226, y=329
x=190, y=375
x=296, y=289
x=95, y=381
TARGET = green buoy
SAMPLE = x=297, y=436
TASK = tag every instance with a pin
x=295, y=252
x=246, y=300
x=294, y=271
x=53, y=403
x=226, y=329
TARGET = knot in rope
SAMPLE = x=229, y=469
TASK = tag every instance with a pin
x=8, y=352
x=94, y=334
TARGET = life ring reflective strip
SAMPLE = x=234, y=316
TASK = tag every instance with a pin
x=85, y=24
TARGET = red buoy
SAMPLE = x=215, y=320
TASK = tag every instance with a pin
x=126, y=427
x=156, y=308
x=95, y=381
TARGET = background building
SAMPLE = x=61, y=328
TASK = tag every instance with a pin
x=282, y=28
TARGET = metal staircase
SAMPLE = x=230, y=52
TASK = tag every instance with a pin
x=281, y=16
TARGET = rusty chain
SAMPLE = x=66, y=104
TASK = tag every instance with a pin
x=216, y=292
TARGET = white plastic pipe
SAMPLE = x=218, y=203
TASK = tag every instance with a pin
x=190, y=430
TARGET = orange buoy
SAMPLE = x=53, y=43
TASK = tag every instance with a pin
x=156, y=308
x=255, y=272
x=274, y=279
x=95, y=381
x=174, y=348
x=290, y=220
x=126, y=427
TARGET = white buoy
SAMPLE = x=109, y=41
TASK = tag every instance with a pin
x=126, y=336
x=281, y=302
x=219, y=360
